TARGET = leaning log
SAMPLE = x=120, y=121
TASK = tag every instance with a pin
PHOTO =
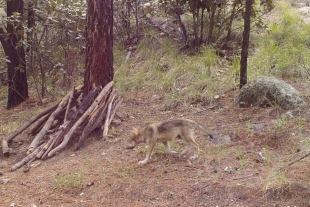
x=115, y=106
x=81, y=110
x=94, y=121
x=39, y=125
x=27, y=158
x=89, y=111
x=106, y=122
x=48, y=124
x=5, y=145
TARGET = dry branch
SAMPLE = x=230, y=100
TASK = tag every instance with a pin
x=38, y=126
x=301, y=158
x=51, y=119
x=89, y=111
x=106, y=122
x=84, y=106
x=93, y=122
x=27, y=158
x=100, y=104
x=48, y=124
x=5, y=146
x=69, y=105
x=115, y=105
x=49, y=145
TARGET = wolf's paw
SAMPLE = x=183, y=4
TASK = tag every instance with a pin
x=143, y=162
x=171, y=152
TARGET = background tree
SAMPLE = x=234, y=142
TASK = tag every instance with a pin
x=99, y=46
x=245, y=43
x=12, y=42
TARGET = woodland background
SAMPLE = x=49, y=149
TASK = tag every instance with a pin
x=171, y=59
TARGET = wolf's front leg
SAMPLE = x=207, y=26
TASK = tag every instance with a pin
x=168, y=149
x=148, y=154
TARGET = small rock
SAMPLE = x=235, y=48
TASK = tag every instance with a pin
x=228, y=169
x=258, y=127
x=90, y=183
x=288, y=115
x=218, y=138
x=116, y=122
x=12, y=204
x=26, y=169
x=4, y=180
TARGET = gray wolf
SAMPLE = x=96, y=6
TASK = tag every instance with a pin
x=165, y=132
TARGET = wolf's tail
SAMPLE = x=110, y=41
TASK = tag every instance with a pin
x=202, y=128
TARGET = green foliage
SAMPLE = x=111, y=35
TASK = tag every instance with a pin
x=157, y=67
x=53, y=44
x=71, y=180
x=276, y=181
x=283, y=51
x=210, y=20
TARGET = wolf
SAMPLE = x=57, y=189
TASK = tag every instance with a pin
x=165, y=132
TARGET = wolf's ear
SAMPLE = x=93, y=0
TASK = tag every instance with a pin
x=135, y=131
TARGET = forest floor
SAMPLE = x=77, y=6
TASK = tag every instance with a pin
x=245, y=164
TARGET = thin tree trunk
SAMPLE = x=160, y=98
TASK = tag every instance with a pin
x=245, y=43
x=201, y=25
x=230, y=24
x=211, y=24
x=17, y=78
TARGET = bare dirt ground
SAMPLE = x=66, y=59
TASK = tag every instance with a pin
x=249, y=170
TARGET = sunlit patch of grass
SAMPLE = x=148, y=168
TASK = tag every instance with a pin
x=283, y=50
x=275, y=182
x=70, y=180
x=157, y=67
x=13, y=119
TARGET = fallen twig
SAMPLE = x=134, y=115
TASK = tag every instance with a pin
x=301, y=158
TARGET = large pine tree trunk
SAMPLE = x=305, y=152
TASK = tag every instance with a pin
x=99, y=47
x=14, y=50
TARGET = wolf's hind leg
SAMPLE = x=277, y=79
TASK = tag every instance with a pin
x=196, y=154
x=184, y=151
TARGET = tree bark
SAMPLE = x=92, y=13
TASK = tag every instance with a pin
x=14, y=50
x=245, y=43
x=99, y=46
x=211, y=24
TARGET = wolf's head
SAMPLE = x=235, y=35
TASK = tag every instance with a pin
x=135, y=138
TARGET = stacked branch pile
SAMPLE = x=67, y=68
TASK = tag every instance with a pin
x=54, y=127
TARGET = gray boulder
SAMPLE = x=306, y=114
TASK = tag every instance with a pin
x=268, y=91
